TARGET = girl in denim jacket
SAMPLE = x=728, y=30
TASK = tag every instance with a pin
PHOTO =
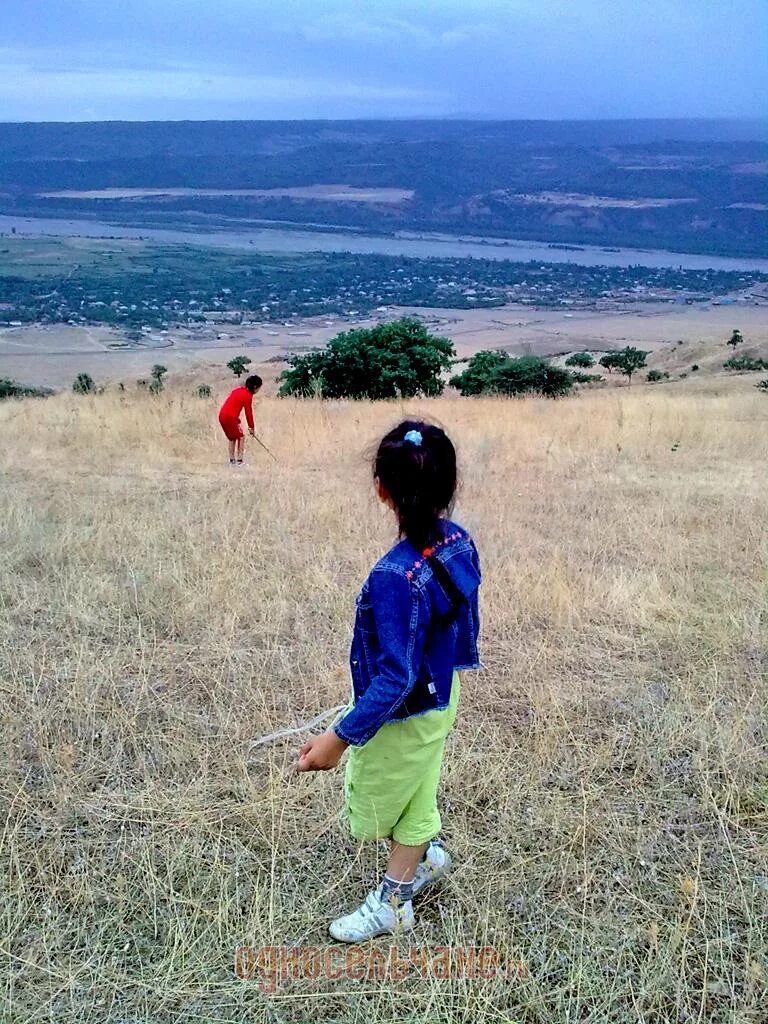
x=416, y=625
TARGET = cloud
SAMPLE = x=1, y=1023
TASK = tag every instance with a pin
x=384, y=30
x=188, y=82
x=344, y=27
x=339, y=58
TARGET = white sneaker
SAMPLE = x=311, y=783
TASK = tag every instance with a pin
x=435, y=866
x=373, y=917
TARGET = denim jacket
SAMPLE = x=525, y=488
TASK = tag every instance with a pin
x=412, y=631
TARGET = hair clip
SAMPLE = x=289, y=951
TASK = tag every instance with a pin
x=414, y=436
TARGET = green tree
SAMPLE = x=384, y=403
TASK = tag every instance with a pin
x=653, y=376
x=496, y=372
x=480, y=376
x=534, y=374
x=204, y=391
x=583, y=359
x=629, y=360
x=735, y=339
x=608, y=361
x=83, y=384
x=305, y=375
x=238, y=365
x=397, y=359
x=156, y=383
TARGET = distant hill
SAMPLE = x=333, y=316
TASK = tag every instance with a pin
x=696, y=186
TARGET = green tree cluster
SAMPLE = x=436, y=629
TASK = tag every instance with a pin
x=392, y=360
x=12, y=389
x=748, y=363
x=582, y=359
x=626, y=360
x=495, y=372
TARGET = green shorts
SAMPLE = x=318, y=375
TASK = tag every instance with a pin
x=391, y=781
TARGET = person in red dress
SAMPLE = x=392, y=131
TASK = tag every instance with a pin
x=239, y=400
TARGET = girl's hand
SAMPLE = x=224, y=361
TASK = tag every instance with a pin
x=321, y=752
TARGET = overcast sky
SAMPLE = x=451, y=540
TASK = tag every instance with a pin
x=157, y=59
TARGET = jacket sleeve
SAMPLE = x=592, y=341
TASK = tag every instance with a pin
x=248, y=406
x=401, y=631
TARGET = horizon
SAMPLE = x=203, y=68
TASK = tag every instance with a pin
x=437, y=119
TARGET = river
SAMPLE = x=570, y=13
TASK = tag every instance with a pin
x=283, y=240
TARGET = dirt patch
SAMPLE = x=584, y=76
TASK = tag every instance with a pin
x=328, y=193
x=605, y=202
x=53, y=355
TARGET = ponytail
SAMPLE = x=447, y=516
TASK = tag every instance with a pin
x=416, y=464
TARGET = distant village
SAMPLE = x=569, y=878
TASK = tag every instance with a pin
x=208, y=291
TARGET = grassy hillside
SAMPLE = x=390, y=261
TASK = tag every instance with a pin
x=605, y=791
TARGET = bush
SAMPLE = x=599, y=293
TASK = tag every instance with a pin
x=142, y=384
x=735, y=339
x=745, y=363
x=204, y=391
x=238, y=365
x=83, y=384
x=694, y=368
x=583, y=359
x=11, y=389
x=656, y=375
x=498, y=373
x=586, y=378
x=763, y=385
x=388, y=361
x=480, y=375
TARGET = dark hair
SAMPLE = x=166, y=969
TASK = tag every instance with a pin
x=416, y=465
x=253, y=383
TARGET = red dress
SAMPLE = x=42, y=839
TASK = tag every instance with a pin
x=229, y=415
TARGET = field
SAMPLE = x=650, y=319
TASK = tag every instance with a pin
x=605, y=792
x=114, y=308
x=331, y=193
x=54, y=354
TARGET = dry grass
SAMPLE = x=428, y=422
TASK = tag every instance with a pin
x=605, y=791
